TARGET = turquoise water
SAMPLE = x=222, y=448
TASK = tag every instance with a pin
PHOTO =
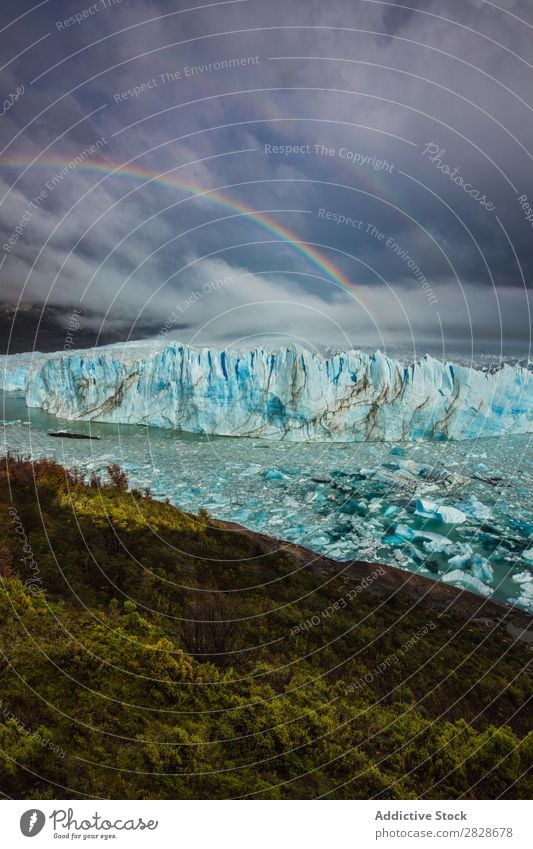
x=347, y=500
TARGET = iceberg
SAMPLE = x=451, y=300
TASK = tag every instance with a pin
x=476, y=509
x=525, y=598
x=290, y=393
x=467, y=561
x=469, y=582
x=439, y=512
x=482, y=569
x=397, y=451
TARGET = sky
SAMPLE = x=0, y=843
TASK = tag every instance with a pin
x=346, y=174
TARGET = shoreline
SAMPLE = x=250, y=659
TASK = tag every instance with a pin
x=431, y=594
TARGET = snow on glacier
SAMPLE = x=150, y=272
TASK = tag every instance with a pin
x=289, y=393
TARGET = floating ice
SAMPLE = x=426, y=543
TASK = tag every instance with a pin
x=523, y=578
x=462, y=558
x=439, y=512
x=253, y=469
x=468, y=581
x=473, y=507
x=397, y=451
x=404, y=532
x=275, y=475
x=481, y=568
x=436, y=541
x=525, y=599
x=412, y=467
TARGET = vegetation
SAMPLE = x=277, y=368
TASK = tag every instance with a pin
x=150, y=653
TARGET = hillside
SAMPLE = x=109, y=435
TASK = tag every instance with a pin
x=151, y=653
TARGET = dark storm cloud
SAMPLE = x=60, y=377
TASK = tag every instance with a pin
x=412, y=98
x=396, y=15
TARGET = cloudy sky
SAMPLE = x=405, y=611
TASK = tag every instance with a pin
x=350, y=172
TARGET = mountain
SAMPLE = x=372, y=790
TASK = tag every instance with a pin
x=34, y=327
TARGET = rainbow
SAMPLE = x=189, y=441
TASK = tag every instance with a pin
x=150, y=176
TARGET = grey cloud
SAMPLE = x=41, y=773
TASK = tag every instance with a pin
x=437, y=224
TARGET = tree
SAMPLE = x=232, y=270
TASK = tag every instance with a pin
x=118, y=477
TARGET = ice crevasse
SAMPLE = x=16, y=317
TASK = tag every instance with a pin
x=289, y=393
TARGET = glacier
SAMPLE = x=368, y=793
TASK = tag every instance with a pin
x=289, y=393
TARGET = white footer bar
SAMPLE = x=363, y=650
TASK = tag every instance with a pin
x=266, y=824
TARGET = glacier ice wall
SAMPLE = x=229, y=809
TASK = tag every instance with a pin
x=289, y=393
